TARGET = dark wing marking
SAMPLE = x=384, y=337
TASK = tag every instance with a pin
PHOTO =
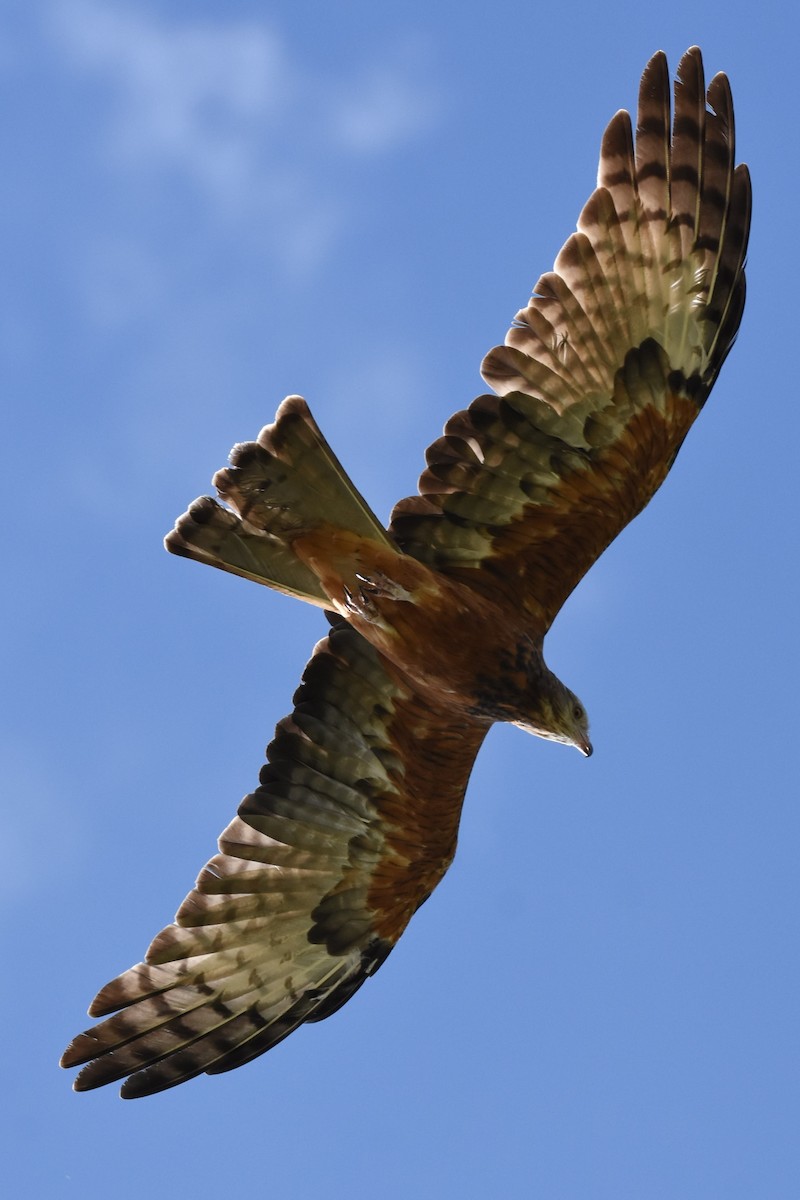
x=353, y=825
x=605, y=370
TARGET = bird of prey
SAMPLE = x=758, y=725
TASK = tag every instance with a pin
x=438, y=622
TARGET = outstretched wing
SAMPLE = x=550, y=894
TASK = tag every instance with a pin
x=353, y=825
x=604, y=372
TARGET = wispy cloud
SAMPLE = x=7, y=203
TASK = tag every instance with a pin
x=236, y=112
x=193, y=96
x=390, y=103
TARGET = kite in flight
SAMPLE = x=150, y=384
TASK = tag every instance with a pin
x=438, y=622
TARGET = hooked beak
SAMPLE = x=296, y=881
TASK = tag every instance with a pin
x=585, y=747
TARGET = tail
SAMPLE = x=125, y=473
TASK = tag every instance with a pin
x=287, y=483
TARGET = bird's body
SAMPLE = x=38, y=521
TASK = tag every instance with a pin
x=438, y=622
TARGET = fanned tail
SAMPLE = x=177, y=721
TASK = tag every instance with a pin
x=285, y=484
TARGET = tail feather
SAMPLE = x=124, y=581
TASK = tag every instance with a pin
x=211, y=534
x=287, y=483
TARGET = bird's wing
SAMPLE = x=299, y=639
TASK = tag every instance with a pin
x=603, y=373
x=353, y=825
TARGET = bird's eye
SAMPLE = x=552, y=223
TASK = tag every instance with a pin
x=578, y=713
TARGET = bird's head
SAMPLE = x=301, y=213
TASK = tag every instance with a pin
x=558, y=716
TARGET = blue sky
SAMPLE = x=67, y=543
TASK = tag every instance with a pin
x=208, y=206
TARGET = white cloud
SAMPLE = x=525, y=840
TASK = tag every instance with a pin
x=388, y=105
x=229, y=106
x=197, y=97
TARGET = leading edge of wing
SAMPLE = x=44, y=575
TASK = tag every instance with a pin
x=353, y=825
x=604, y=371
